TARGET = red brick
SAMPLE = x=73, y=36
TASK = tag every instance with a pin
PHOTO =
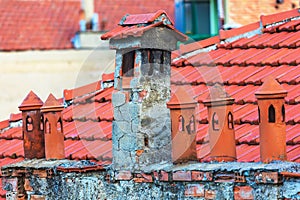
x=40, y=173
x=37, y=197
x=243, y=192
x=123, y=175
x=143, y=178
x=163, y=176
x=210, y=194
x=268, y=177
x=182, y=176
x=27, y=185
x=202, y=176
x=194, y=190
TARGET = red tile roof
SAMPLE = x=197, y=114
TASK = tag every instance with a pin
x=135, y=25
x=27, y=25
x=241, y=65
x=119, y=8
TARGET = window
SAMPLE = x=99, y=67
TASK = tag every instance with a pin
x=191, y=126
x=197, y=18
x=181, y=123
x=271, y=113
x=153, y=56
x=29, y=124
x=230, y=121
x=146, y=141
x=215, y=122
x=47, y=126
x=258, y=115
x=128, y=64
x=42, y=123
x=282, y=113
x=59, y=125
x=151, y=61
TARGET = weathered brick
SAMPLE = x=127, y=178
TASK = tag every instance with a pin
x=143, y=178
x=18, y=172
x=27, y=185
x=243, y=192
x=210, y=194
x=163, y=176
x=194, y=190
x=224, y=177
x=40, y=173
x=182, y=176
x=123, y=175
x=268, y=177
x=37, y=197
x=202, y=176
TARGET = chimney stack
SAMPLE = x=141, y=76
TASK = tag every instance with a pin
x=182, y=108
x=53, y=129
x=271, y=114
x=221, y=125
x=33, y=130
x=142, y=126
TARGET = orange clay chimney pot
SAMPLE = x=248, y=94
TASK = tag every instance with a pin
x=33, y=135
x=184, y=128
x=272, y=128
x=221, y=125
x=53, y=129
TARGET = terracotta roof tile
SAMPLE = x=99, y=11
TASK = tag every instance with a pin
x=38, y=25
x=278, y=17
x=238, y=31
x=15, y=117
x=4, y=124
x=83, y=90
x=108, y=21
x=142, y=18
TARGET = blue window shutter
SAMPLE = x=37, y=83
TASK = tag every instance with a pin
x=179, y=15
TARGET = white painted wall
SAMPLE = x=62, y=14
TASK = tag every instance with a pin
x=48, y=71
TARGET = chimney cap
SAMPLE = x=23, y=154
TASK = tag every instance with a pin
x=52, y=104
x=270, y=89
x=181, y=99
x=134, y=19
x=31, y=102
x=218, y=97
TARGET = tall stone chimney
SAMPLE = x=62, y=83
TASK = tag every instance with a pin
x=33, y=129
x=142, y=126
x=221, y=125
x=272, y=128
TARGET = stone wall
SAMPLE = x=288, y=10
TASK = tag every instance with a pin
x=190, y=181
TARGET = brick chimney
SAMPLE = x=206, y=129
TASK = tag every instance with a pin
x=272, y=128
x=142, y=126
x=33, y=133
x=221, y=125
x=182, y=107
x=53, y=129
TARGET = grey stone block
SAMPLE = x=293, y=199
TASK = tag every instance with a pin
x=118, y=99
x=128, y=143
